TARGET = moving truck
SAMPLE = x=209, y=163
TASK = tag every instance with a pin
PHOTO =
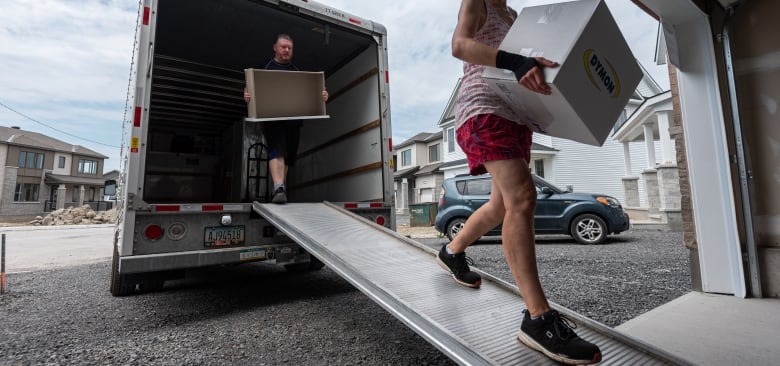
x=194, y=165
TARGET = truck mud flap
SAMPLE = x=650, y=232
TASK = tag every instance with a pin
x=472, y=327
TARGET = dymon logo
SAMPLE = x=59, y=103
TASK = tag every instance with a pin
x=601, y=73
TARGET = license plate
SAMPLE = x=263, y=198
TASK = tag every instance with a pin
x=220, y=236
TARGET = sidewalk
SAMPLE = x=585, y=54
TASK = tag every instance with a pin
x=403, y=227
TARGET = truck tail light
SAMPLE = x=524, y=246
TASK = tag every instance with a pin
x=380, y=220
x=153, y=232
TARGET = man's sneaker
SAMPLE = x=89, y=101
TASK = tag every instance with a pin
x=279, y=196
x=458, y=265
x=553, y=334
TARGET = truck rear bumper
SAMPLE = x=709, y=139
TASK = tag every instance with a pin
x=203, y=258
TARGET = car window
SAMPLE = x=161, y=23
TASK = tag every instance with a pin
x=478, y=187
x=461, y=186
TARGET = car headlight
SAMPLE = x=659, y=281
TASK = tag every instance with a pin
x=609, y=201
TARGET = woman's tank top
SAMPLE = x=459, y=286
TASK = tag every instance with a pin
x=475, y=96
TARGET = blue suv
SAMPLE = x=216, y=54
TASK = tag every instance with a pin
x=587, y=217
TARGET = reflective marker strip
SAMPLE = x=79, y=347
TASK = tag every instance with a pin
x=137, y=117
x=147, y=14
x=166, y=208
x=354, y=205
x=200, y=208
x=355, y=21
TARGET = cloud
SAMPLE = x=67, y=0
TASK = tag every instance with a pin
x=66, y=64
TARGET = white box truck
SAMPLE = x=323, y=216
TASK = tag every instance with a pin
x=193, y=167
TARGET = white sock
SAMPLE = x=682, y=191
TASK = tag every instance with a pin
x=447, y=248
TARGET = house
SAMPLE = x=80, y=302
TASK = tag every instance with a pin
x=41, y=174
x=417, y=178
x=614, y=168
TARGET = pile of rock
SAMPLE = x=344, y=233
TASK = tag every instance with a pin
x=83, y=215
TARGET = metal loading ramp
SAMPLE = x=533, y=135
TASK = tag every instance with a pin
x=471, y=326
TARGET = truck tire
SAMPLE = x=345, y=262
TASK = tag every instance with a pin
x=119, y=283
x=588, y=229
x=137, y=283
x=312, y=265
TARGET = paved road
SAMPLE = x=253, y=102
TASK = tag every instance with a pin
x=36, y=247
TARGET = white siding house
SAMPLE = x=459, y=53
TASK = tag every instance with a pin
x=417, y=178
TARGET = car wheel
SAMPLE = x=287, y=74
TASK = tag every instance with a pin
x=588, y=229
x=454, y=227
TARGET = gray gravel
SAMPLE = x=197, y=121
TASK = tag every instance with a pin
x=630, y=274
x=256, y=314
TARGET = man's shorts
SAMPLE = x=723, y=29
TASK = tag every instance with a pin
x=282, y=139
x=488, y=137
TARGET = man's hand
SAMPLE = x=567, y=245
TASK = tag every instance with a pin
x=534, y=78
x=247, y=96
x=324, y=95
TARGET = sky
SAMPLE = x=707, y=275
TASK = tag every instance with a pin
x=65, y=64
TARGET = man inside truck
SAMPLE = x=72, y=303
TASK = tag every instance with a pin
x=496, y=141
x=282, y=137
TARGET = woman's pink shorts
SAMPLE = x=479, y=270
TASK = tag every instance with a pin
x=488, y=137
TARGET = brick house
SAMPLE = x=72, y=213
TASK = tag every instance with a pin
x=42, y=174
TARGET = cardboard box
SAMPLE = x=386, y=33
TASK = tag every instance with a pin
x=284, y=95
x=596, y=77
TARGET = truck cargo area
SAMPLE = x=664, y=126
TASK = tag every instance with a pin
x=473, y=327
x=198, y=146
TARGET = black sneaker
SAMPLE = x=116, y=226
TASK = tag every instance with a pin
x=553, y=334
x=458, y=265
x=279, y=196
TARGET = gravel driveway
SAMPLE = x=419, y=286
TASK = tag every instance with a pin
x=256, y=314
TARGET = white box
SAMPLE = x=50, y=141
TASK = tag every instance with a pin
x=596, y=77
x=284, y=95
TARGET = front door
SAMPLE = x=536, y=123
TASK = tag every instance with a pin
x=52, y=200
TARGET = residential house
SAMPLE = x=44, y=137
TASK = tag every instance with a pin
x=417, y=178
x=41, y=173
x=611, y=169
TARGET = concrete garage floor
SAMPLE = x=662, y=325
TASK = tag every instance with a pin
x=708, y=329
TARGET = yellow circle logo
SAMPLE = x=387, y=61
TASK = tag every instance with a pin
x=601, y=73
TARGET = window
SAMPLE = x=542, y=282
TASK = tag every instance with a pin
x=88, y=166
x=406, y=157
x=61, y=162
x=451, y=140
x=539, y=167
x=30, y=160
x=433, y=153
x=26, y=192
x=475, y=187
